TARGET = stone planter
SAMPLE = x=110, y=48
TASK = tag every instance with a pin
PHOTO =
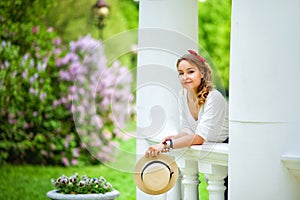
x=53, y=194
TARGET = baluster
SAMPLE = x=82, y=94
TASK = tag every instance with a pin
x=215, y=182
x=190, y=180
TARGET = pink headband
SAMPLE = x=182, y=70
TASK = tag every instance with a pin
x=198, y=56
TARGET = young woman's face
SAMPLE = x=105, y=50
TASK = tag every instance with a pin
x=189, y=75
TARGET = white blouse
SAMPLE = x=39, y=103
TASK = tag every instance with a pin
x=212, y=123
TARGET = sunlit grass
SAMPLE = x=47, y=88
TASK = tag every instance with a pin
x=33, y=182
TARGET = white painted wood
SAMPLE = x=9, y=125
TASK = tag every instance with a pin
x=264, y=62
x=210, y=159
x=293, y=166
x=263, y=102
x=190, y=180
x=215, y=182
x=215, y=187
x=167, y=29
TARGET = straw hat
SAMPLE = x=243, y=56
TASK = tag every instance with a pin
x=156, y=175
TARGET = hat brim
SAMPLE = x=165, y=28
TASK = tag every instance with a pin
x=142, y=162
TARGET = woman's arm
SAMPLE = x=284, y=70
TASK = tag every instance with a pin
x=173, y=137
x=185, y=140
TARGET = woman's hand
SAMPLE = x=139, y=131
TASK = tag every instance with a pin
x=154, y=150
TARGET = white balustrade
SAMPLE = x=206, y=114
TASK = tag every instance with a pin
x=292, y=163
x=211, y=159
x=190, y=180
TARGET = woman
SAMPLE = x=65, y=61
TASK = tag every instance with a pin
x=204, y=116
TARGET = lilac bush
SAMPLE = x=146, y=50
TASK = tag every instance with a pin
x=31, y=130
x=99, y=98
x=57, y=102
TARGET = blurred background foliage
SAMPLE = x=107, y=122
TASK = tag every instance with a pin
x=72, y=18
x=37, y=63
x=34, y=34
x=214, y=34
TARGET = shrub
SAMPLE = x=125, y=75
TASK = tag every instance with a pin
x=30, y=126
x=98, y=97
x=18, y=20
x=37, y=88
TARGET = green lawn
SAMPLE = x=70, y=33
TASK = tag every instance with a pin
x=33, y=182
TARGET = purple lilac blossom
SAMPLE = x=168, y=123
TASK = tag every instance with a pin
x=64, y=75
x=74, y=161
x=65, y=161
x=25, y=74
x=76, y=152
x=42, y=96
x=97, y=90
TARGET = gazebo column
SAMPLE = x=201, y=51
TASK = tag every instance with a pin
x=264, y=98
x=167, y=28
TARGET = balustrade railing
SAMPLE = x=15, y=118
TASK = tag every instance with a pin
x=292, y=163
x=211, y=159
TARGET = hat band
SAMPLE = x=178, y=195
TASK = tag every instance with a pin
x=157, y=161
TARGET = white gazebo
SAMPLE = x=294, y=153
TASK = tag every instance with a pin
x=262, y=159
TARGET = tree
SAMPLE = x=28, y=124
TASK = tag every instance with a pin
x=214, y=34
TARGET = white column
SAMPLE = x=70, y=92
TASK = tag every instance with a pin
x=190, y=180
x=264, y=97
x=167, y=29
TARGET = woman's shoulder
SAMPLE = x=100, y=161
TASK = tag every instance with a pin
x=215, y=95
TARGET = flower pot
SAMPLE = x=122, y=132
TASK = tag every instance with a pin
x=53, y=194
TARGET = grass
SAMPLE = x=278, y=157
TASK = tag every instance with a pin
x=33, y=182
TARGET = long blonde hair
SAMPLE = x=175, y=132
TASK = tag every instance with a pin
x=206, y=84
